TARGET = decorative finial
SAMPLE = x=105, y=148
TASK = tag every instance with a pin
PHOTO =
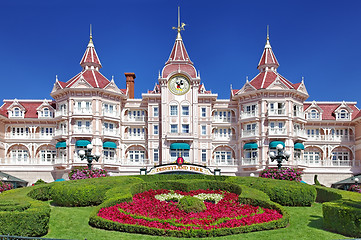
x=56, y=78
x=180, y=25
x=158, y=73
x=113, y=78
x=91, y=38
x=303, y=79
x=231, y=86
x=246, y=78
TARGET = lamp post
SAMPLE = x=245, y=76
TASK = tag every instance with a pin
x=356, y=181
x=281, y=155
x=88, y=155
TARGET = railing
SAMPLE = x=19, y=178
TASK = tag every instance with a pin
x=277, y=131
x=341, y=138
x=179, y=134
x=61, y=113
x=135, y=137
x=18, y=136
x=299, y=114
x=31, y=161
x=299, y=133
x=114, y=132
x=61, y=132
x=277, y=112
x=224, y=120
x=107, y=113
x=131, y=118
x=83, y=111
x=249, y=161
x=83, y=130
x=250, y=133
x=138, y=162
x=249, y=114
x=45, y=136
x=316, y=137
x=332, y=163
x=223, y=137
x=223, y=162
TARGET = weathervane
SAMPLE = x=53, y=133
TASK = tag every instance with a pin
x=180, y=25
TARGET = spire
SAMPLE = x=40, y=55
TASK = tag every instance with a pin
x=90, y=58
x=179, y=52
x=268, y=59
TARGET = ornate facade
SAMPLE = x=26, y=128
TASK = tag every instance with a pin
x=179, y=117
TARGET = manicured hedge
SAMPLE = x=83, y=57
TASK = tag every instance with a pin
x=260, y=199
x=26, y=217
x=41, y=192
x=187, y=186
x=286, y=193
x=166, y=177
x=325, y=194
x=343, y=216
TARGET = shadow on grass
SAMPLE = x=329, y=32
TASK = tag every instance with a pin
x=316, y=222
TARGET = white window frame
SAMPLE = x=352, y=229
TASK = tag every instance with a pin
x=185, y=110
x=155, y=130
x=204, y=112
x=203, y=130
x=204, y=155
x=156, y=155
x=155, y=111
x=173, y=110
x=185, y=128
x=174, y=128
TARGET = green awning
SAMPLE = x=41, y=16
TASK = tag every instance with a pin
x=60, y=144
x=250, y=145
x=299, y=146
x=109, y=145
x=174, y=146
x=82, y=143
x=273, y=144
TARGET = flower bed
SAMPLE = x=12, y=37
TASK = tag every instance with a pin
x=355, y=188
x=84, y=173
x=5, y=186
x=148, y=211
x=289, y=174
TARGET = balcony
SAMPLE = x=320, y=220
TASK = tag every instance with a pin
x=299, y=114
x=18, y=136
x=135, y=162
x=83, y=130
x=83, y=111
x=223, y=162
x=134, y=137
x=250, y=161
x=217, y=137
x=277, y=112
x=249, y=133
x=325, y=163
x=31, y=161
x=224, y=120
x=315, y=137
x=340, y=138
x=179, y=136
x=45, y=136
x=299, y=133
x=107, y=113
x=60, y=132
x=277, y=131
x=250, y=114
x=132, y=118
x=61, y=113
x=111, y=132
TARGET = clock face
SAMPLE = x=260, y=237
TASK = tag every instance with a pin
x=179, y=85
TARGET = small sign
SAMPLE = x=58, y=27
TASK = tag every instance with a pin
x=180, y=161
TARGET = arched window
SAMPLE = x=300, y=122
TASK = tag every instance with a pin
x=312, y=156
x=343, y=114
x=313, y=114
x=16, y=112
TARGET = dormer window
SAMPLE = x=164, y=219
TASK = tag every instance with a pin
x=17, y=112
x=45, y=113
x=313, y=114
x=343, y=114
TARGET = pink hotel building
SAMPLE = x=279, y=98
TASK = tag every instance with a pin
x=41, y=138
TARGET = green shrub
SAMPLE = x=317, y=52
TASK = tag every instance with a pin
x=41, y=193
x=23, y=216
x=191, y=204
x=325, y=194
x=286, y=193
x=166, y=177
x=78, y=195
x=39, y=181
x=343, y=217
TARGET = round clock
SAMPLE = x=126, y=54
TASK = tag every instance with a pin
x=179, y=84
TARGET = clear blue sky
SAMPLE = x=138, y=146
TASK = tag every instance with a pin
x=319, y=40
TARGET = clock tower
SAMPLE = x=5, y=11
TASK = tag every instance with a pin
x=179, y=85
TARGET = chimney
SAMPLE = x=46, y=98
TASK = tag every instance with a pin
x=129, y=78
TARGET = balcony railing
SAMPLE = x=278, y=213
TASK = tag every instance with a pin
x=111, y=132
x=18, y=136
x=223, y=137
x=277, y=112
x=83, y=111
x=31, y=161
x=224, y=120
x=250, y=133
x=298, y=114
x=83, y=130
x=135, y=137
x=223, y=162
x=131, y=118
x=331, y=163
x=45, y=136
x=249, y=161
x=299, y=133
x=135, y=162
x=61, y=132
x=108, y=113
x=346, y=138
x=61, y=113
x=315, y=137
x=249, y=114
x=277, y=131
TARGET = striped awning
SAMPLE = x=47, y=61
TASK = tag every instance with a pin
x=250, y=145
x=60, y=144
x=82, y=143
x=274, y=144
x=109, y=145
x=174, y=146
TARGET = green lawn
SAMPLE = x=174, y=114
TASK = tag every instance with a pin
x=72, y=223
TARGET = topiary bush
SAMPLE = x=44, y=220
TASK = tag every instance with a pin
x=325, y=194
x=190, y=204
x=343, y=216
x=41, y=193
x=286, y=193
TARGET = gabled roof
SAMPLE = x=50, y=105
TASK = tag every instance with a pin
x=265, y=79
x=268, y=58
x=93, y=77
x=329, y=108
x=30, y=107
x=90, y=57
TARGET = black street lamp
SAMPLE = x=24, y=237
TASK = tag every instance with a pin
x=88, y=155
x=281, y=155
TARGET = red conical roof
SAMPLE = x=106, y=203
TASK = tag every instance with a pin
x=90, y=57
x=268, y=58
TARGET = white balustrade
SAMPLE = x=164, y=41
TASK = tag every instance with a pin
x=277, y=131
x=249, y=133
x=249, y=161
x=277, y=112
x=249, y=114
